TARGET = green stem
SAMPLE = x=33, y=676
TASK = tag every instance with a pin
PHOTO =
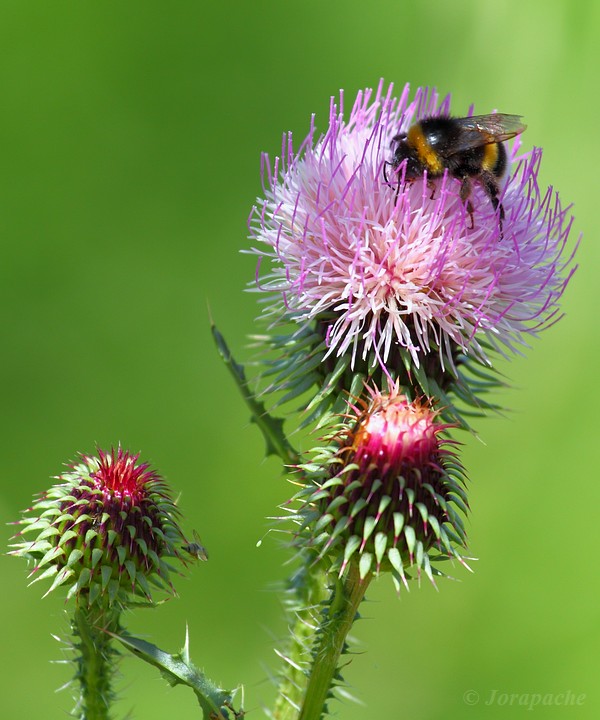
x=95, y=662
x=304, y=598
x=293, y=682
x=346, y=598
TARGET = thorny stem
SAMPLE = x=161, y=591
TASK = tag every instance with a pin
x=345, y=600
x=95, y=662
x=308, y=588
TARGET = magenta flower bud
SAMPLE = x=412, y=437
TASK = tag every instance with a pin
x=386, y=492
x=104, y=531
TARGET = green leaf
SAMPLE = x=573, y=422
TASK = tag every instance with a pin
x=323, y=522
x=179, y=670
x=130, y=567
x=89, y=536
x=50, y=556
x=365, y=562
x=50, y=531
x=380, y=546
x=434, y=524
x=330, y=382
x=50, y=571
x=105, y=574
x=411, y=539
x=141, y=543
x=94, y=593
x=383, y=503
x=351, y=547
x=398, y=523
x=357, y=507
x=62, y=577
x=422, y=508
x=336, y=503
x=96, y=556
x=368, y=527
x=74, y=557
x=271, y=427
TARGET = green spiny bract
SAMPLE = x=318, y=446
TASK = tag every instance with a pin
x=384, y=491
x=103, y=531
x=294, y=360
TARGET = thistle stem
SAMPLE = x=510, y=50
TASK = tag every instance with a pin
x=346, y=597
x=95, y=662
x=306, y=594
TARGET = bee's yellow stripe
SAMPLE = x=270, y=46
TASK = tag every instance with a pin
x=426, y=154
x=490, y=157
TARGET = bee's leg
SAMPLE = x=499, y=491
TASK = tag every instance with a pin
x=465, y=192
x=431, y=186
x=389, y=182
x=385, y=177
x=470, y=210
x=490, y=185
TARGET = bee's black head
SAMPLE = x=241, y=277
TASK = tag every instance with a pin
x=405, y=153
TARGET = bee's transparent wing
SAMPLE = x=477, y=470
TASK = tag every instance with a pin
x=479, y=130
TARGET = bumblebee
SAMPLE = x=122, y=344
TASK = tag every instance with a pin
x=468, y=148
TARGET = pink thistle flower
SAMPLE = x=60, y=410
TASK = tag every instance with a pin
x=380, y=268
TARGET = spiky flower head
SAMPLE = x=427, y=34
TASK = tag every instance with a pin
x=104, y=531
x=395, y=273
x=386, y=491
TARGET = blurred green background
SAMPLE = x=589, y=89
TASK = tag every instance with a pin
x=131, y=135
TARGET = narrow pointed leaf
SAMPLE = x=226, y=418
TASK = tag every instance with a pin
x=179, y=670
x=271, y=427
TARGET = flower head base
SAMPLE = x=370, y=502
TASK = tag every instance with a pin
x=386, y=493
x=104, y=531
x=383, y=268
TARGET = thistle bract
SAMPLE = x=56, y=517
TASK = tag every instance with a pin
x=385, y=493
x=104, y=531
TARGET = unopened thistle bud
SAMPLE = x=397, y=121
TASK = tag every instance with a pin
x=385, y=493
x=103, y=531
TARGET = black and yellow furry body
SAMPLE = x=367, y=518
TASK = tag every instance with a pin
x=468, y=148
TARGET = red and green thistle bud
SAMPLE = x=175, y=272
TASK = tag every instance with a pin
x=104, y=531
x=385, y=493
